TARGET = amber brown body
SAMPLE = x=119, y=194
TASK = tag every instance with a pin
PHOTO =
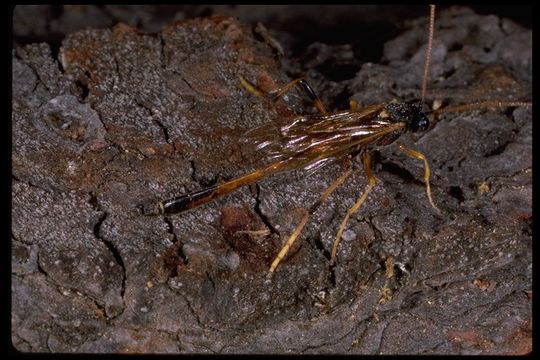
x=310, y=141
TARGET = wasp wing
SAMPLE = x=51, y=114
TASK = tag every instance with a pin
x=311, y=141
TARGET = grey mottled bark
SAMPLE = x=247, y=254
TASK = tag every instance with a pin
x=120, y=118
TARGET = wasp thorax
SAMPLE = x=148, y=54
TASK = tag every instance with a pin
x=410, y=113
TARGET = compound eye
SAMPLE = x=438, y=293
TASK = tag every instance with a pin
x=423, y=124
x=419, y=124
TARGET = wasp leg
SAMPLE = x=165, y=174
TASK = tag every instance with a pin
x=304, y=220
x=276, y=94
x=250, y=87
x=307, y=89
x=418, y=155
x=371, y=183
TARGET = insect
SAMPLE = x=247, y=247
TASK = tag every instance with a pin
x=310, y=141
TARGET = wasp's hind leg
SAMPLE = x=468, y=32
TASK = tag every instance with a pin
x=290, y=241
x=278, y=93
x=418, y=155
x=371, y=183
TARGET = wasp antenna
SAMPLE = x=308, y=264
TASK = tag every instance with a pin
x=482, y=105
x=428, y=51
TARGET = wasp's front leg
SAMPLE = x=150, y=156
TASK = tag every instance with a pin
x=418, y=155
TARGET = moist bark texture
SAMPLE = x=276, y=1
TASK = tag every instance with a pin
x=115, y=118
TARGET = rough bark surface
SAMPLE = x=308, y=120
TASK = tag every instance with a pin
x=119, y=118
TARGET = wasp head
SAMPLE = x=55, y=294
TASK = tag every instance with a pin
x=411, y=113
